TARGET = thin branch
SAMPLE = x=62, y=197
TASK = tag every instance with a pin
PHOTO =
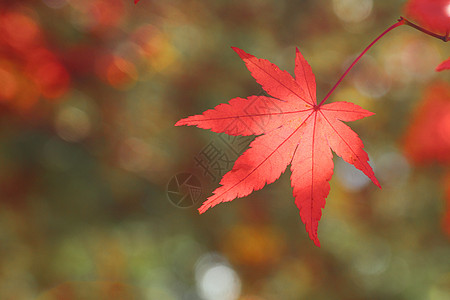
x=401, y=21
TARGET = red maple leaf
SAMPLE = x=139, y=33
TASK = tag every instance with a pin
x=136, y=1
x=432, y=14
x=445, y=65
x=292, y=130
x=427, y=139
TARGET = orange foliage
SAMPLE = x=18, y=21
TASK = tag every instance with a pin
x=28, y=68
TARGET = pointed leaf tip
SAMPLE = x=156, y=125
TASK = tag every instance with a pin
x=242, y=54
x=316, y=242
x=445, y=65
x=314, y=237
x=205, y=206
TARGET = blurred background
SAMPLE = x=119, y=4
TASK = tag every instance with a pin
x=99, y=189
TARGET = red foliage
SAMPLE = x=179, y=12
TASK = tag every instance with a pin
x=427, y=139
x=293, y=130
x=434, y=15
x=29, y=69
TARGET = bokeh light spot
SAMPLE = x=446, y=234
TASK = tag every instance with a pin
x=352, y=11
x=155, y=47
x=216, y=280
x=350, y=177
x=417, y=57
x=20, y=30
x=72, y=124
x=118, y=72
x=134, y=155
x=56, y=4
x=370, y=79
x=393, y=168
x=53, y=79
x=97, y=15
x=9, y=83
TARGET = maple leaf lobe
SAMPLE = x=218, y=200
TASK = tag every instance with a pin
x=277, y=83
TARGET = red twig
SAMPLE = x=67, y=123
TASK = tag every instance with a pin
x=401, y=21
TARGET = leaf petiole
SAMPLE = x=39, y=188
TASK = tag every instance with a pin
x=401, y=21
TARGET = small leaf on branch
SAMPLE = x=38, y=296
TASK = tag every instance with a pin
x=431, y=14
x=434, y=16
